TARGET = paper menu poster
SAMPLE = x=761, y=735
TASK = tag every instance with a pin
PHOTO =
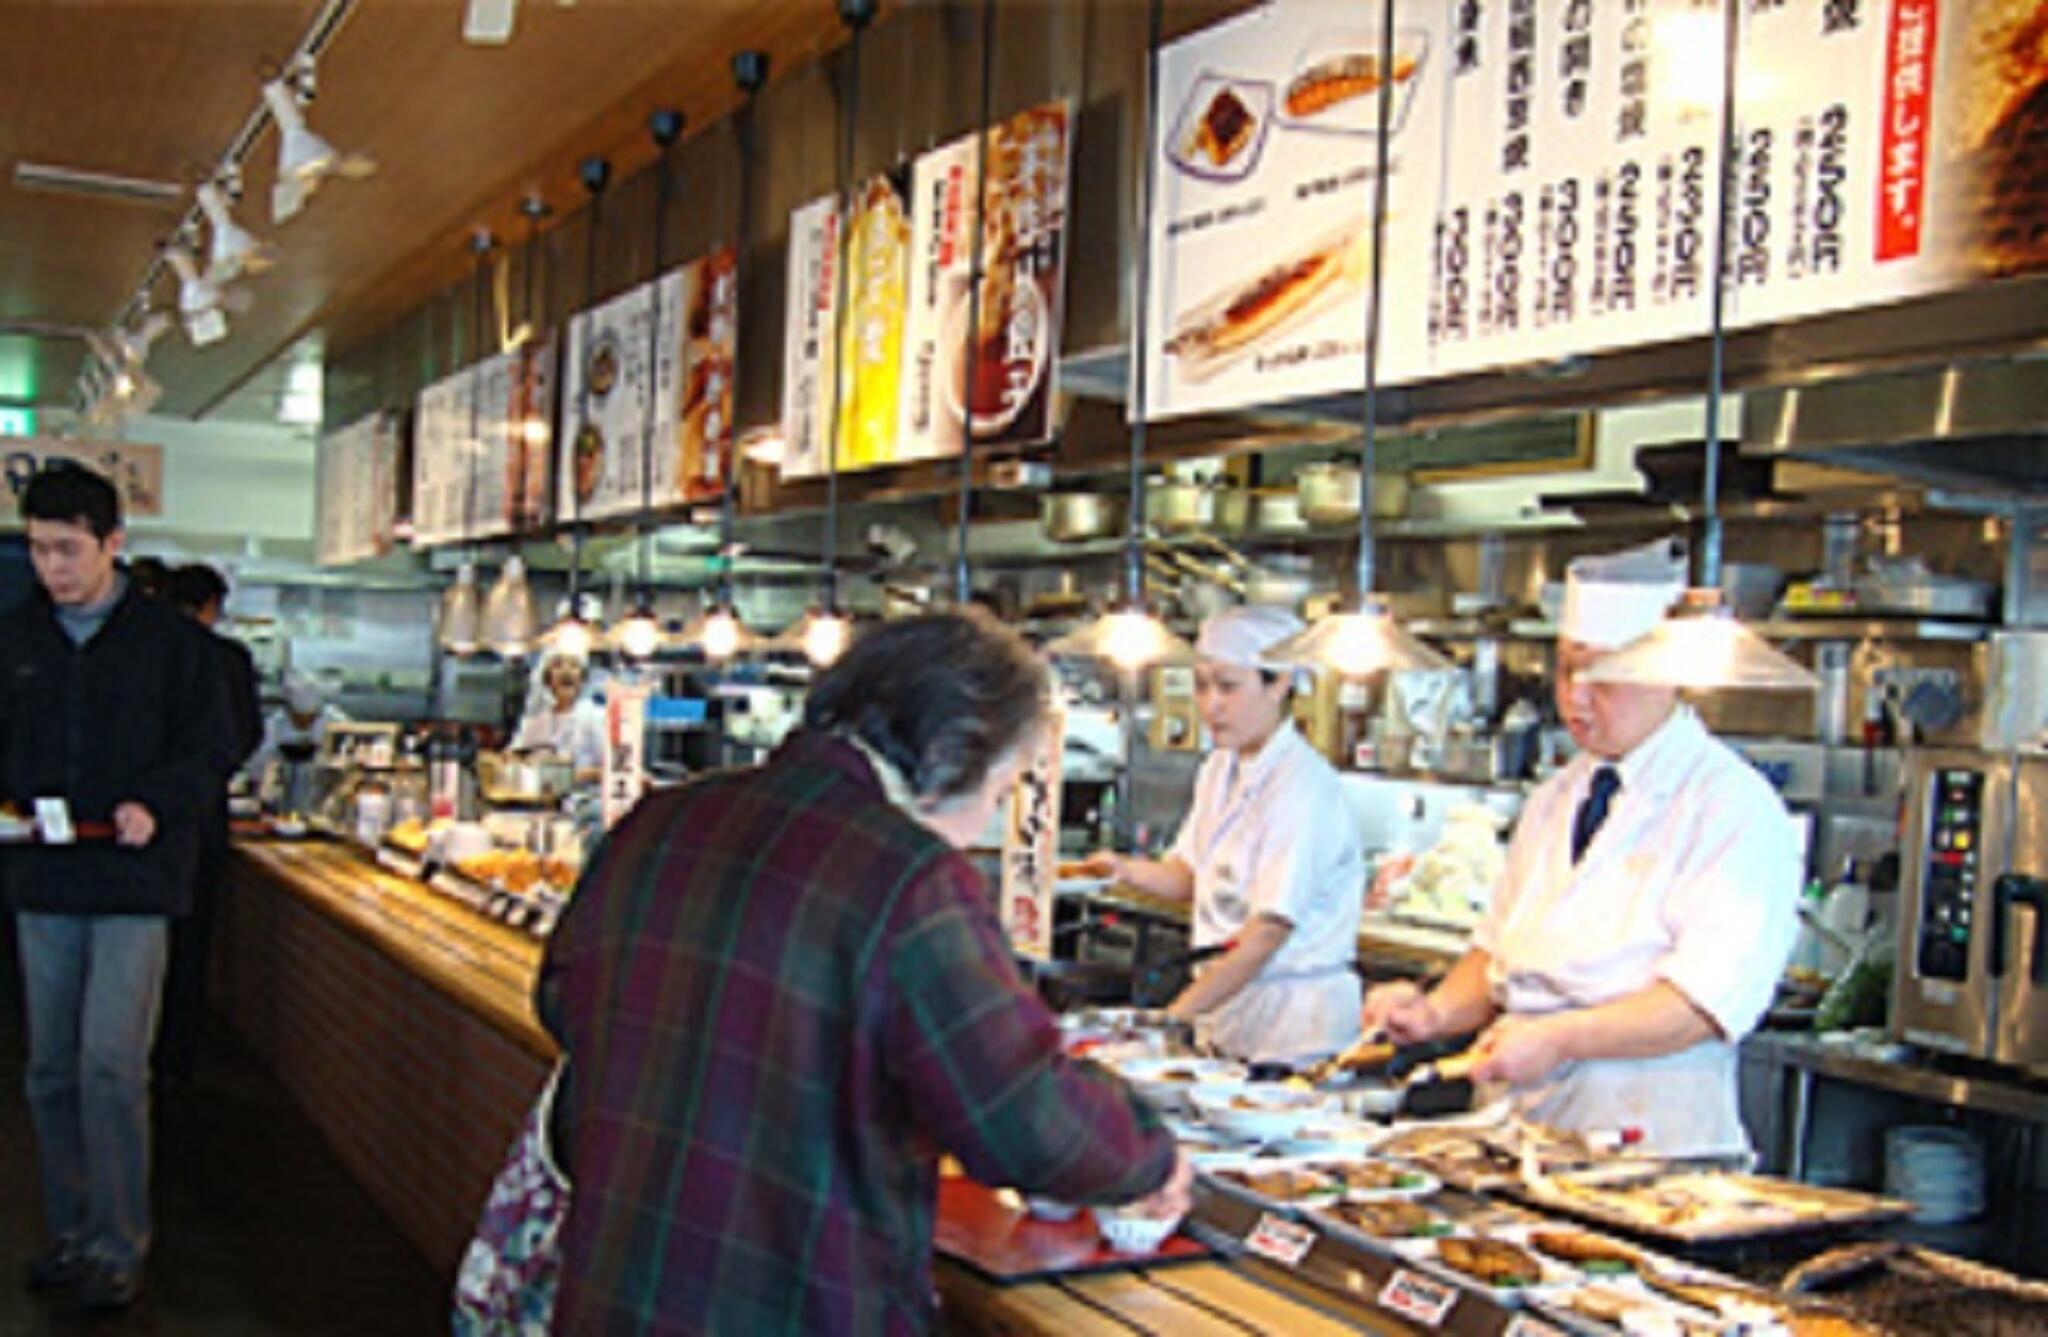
x=622, y=370
x=1019, y=315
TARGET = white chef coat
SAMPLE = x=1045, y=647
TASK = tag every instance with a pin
x=1275, y=835
x=1693, y=880
x=576, y=733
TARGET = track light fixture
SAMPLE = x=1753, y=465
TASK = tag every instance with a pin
x=232, y=252
x=198, y=298
x=304, y=159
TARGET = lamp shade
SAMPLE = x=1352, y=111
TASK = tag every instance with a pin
x=1357, y=643
x=718, y=633
x=1130, y=638
x=462, y=614
x=1702, y=647
x=509, y=617
x=638, y=635
x=821, y=635
x=302, y=156
x=570, y=635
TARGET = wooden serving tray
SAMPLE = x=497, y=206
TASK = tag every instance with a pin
x=1814, y=1208
x=1009, y=1246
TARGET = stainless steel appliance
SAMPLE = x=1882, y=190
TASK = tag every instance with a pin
x=1972, y=977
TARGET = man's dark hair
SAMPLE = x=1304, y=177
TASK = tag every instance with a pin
x=151, y=577
x=941, y=697
x=195, y=585
x=63, y=492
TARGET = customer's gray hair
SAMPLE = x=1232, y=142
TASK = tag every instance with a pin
x=941, y=697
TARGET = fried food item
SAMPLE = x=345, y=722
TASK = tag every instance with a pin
x=1226, y=128
x=1279, y=1185
x=1398, y=1219
x=1338, y=80
x=1372, y=1176
x=1583, y=1248
x=1495, y=1262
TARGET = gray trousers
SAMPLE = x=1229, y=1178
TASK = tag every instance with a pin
x=93, y=984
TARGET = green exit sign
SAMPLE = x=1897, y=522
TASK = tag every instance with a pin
x=17, y=421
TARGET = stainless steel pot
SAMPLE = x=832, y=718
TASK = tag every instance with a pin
x=1329, y=494
x=1285, y=588
x=1177, y=507
x=1077, y=517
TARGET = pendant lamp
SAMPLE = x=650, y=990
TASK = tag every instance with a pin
x=509, y=617
x=822, y=634
x=1129, y=636
x=1699, y=645
x=1362, y=638
x=462, y=630
x=638, y=635
x=571, y=635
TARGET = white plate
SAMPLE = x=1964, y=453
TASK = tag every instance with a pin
x=1358, y=115
x=1148, y=1075
x=1282, y=1110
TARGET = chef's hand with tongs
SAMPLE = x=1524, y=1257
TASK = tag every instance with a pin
x=1520, y=1050
x=1402, y=1012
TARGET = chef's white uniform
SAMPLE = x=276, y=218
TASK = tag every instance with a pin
x=1275, y=835
x=1693, y=879
x=576, y=733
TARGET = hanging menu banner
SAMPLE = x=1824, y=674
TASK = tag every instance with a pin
x=1017, y=322
x=357, y=505
x=480, y=449
x=913, y=322
x=647, y=394
x=1554, y=180
x=441, y=461
x=618, y=398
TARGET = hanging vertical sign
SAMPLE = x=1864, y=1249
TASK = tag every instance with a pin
x=610, y=418
x=442, y=462
x=625, y=744
x=1015, y=340
x=357, y=502
x=1031, y=833
x=808, y=348
x=709, y=330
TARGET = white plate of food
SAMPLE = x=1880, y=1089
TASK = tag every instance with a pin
x=1335, y=84
x=1169, y=1080
x=1279, y=1185
x=1222, y=127
x=1258, y=1111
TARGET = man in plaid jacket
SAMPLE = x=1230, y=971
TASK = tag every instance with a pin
x=784, y=994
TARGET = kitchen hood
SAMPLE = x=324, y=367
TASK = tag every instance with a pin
x=1979, y=427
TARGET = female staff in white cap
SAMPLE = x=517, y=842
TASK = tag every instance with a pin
x=1270, y=856
x=560, y=718
x=295, y=730
x=1646, y=909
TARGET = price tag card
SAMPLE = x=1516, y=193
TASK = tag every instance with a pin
x=1280, y=1240
x=1420, y=1299
x=53, y=821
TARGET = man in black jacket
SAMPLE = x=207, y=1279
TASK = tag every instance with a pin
x=110, y=705
x=200, y=593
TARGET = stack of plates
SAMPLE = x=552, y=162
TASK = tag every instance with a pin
x=1939, y=1170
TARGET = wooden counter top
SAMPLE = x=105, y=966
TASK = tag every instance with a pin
x=1192, y=1298
x=486, y=967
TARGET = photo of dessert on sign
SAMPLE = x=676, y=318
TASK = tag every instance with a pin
x=1221, y=129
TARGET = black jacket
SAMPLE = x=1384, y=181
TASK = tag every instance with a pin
x=136, y=713
x=236, y=669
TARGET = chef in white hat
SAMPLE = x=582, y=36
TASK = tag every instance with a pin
x=1269, y=854
x=300, y=723
x=1646, y=909
x=562, y=718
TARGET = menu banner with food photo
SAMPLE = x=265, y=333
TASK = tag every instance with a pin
x=1031, y=837
x=528, y=430
x=443, y=504
x=134, y=467
x=1015, y=337
x=619, y=404
x=357, y=477
x=710, y=333
x=870, y=366
x=1555, y=178
x=1263, y=167
x=807, y=350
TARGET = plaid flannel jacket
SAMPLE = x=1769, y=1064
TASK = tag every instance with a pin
x=783, y=999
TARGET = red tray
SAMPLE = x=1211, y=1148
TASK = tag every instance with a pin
x=1008, y=1245
x=86, y=833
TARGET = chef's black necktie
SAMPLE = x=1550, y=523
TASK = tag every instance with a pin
x=1593, y=809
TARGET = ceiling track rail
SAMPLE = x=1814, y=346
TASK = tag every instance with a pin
x=319, y=34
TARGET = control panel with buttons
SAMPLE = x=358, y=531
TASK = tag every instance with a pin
x=1949, y=875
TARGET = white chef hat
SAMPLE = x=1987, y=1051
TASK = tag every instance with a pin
x=1611, y=599
x=1243, y=636
x=302, y=696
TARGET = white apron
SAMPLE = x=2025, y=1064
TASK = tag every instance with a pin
x=1275, y=835
x=1690, y=881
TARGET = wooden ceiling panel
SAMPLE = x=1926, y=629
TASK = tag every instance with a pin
x=156, y=88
